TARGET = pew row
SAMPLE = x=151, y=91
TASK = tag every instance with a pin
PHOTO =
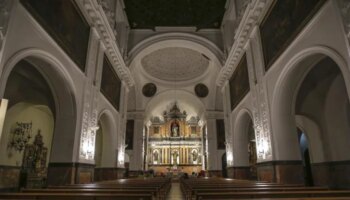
x=219, y=188
x=133, y=189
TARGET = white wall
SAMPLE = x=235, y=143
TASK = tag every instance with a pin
x=337, y=121
x=42, y=119
x=25, y=37
x=214, y=154
x=323, y=35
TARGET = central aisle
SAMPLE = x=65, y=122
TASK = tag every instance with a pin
x=175, y=192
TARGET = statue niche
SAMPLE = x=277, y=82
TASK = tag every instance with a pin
x=174, y=129
x=175, y=157
x=194, y=156
x=155, y=156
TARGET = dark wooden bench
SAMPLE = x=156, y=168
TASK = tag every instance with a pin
x=140, y=189
x=77, y=196
x=268, y=194
x=150, y=191
x=217, y=188
x=257, y=189
x=191, y=186
x=158, y=188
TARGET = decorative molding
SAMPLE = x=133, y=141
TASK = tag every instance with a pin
x=214, y=49
x=241, y=10
x=96, y=15
x=136, y=115
x=253, y=14
x=5, y=12
x=260, y=106
x=344, y=7
x=89, y=123
x=214, y=114
x=110, y=12
x=279, y=162
x=70, y=164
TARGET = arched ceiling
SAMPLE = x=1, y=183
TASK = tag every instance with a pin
x=165, y=100
x=175, y=64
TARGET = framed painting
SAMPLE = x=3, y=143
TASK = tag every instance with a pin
x=110, y=84
x=239, y=83
x=281, y=25
x=64, y=22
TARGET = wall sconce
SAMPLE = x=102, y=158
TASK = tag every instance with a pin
x=229, y=159
x=263, y=148
x=20, y=136
x=120, y=156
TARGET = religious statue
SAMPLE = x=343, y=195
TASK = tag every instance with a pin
x=194, y=155
x=175, y=155
x=174, y=129
x=155, y=156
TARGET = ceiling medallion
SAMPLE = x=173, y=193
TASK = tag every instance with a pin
x=149, y=89
x=201, y=90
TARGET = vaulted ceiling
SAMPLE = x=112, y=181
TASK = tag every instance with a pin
x=143, y=14
x=175, y=64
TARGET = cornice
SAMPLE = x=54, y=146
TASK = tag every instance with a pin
x=186, y=36
x=140, y=115
x=214, y=114
x=95, y=14
x=254, y=12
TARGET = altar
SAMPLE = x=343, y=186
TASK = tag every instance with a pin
x=174, y=144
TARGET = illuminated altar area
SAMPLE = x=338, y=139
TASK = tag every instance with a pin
x=174, y=143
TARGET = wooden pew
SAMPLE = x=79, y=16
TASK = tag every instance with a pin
x=150, y=191
x=264, y=189
x=76, y=196
x=190, y=187
x=134, y=189
x=217, y=188
x=284, y=194
x=159, y=186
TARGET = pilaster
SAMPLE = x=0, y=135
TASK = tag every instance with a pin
x=137, y=156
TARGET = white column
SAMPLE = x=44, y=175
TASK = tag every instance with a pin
x=213, y=161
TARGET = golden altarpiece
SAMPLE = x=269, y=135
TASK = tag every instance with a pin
x=174, y=143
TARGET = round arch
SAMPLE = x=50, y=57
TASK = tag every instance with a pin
x=187, y=100
x=240, y=138
x=63, y=92
x=108, y=154
x=312, y=130
x=171, y=40
x=178, y=36
x=285, y=94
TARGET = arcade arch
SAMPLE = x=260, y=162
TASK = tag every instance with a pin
x=312, y=94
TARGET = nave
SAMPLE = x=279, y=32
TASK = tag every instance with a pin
x=97, y=94
x=185, y=188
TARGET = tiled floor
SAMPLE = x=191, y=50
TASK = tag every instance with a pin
x=175, y=192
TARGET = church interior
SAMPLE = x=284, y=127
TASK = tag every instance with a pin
x=176, y=99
